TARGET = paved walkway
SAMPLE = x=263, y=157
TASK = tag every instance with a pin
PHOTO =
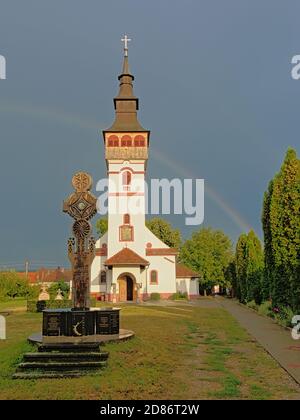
x=276, y=340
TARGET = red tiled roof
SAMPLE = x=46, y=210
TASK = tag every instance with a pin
x=184, y=271
x=31, y=276
x=44, y=275
x=126, y=257
x=161, y=251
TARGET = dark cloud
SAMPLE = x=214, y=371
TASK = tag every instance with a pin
x=215, y=89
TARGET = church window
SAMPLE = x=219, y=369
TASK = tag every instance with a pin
x=103, y=277
x=126, y=141
x=126, y=180
x=113, y=141
x=153, y=277
x=139, y=141
x=126, y=219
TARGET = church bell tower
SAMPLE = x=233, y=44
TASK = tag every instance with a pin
x=126, y=152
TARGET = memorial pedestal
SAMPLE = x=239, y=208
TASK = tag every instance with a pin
x=79, y=326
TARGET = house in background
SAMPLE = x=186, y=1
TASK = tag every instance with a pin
x=47, y=276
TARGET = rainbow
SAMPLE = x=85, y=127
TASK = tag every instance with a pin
x=86, y=124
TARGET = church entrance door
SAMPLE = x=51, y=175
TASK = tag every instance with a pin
x=127, y=290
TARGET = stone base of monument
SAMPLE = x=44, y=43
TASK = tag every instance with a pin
x=69, y=345
x=60, y=361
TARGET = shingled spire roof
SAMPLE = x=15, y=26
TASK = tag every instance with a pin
x=126, y=104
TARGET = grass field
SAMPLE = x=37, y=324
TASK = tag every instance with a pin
x=179, y=352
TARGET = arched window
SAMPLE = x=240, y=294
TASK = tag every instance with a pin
x=103, y=277
x=153, y=277
x=126, y=219
x=113, y=141
x=126, y=180
x=139, y=141
x=126, y=141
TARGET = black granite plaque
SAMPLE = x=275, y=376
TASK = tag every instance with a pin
x=71, y=323
x=82, y=323
x=52, y=324
x=107, y=321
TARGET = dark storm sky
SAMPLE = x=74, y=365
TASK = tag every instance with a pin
x=215, y=89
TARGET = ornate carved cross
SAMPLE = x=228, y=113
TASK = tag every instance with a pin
x=81, y=206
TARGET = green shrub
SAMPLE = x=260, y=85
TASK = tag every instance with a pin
x=93, y=301
x=33, y=292
x=179, y=296
x=60, y=285
x=252, y=305
x=40, y=305
x=154, y=296
x=284, y=317
x=266, y=309
x=14, y=285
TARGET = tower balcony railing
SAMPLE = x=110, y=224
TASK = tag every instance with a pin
x=126, y=153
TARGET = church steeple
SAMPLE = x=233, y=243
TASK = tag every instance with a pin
x=126, y=103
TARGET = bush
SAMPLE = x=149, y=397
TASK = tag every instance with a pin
x=93, y=301
x=266, y=309
x=284, y=317
x=179, y=296
x=252, y=305
x=13, y=285
x=60, y=285
x=40, y=305
x=154, y=296
x=33, y=292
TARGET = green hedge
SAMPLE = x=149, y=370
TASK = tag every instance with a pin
x=154, y=296
x=179, y=296
x=40, y=305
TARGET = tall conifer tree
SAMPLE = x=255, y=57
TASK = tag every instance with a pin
x=281, y=226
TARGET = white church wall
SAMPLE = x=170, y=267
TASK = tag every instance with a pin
x=98, y=266
x=119, y=203
x=166, y=271
x=187, y=285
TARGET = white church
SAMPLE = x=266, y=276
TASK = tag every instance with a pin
x=131, y=262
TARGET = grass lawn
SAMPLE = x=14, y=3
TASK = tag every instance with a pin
x=13, y=304
x=179, y=352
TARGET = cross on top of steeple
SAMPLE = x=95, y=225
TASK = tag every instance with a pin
x=125, y=40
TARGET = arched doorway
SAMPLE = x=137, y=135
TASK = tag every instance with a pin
x=127, y=288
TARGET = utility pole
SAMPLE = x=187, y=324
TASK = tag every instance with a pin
x=26, y=268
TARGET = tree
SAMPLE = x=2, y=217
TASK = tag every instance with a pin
x=284, y=222
x=102, y=226
x=268, y=251
x=230, y=277
x=165, y=232
x=249, y=268
x=209, y=253
x=255, y=265
x=13, y=285
x=241, y=267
